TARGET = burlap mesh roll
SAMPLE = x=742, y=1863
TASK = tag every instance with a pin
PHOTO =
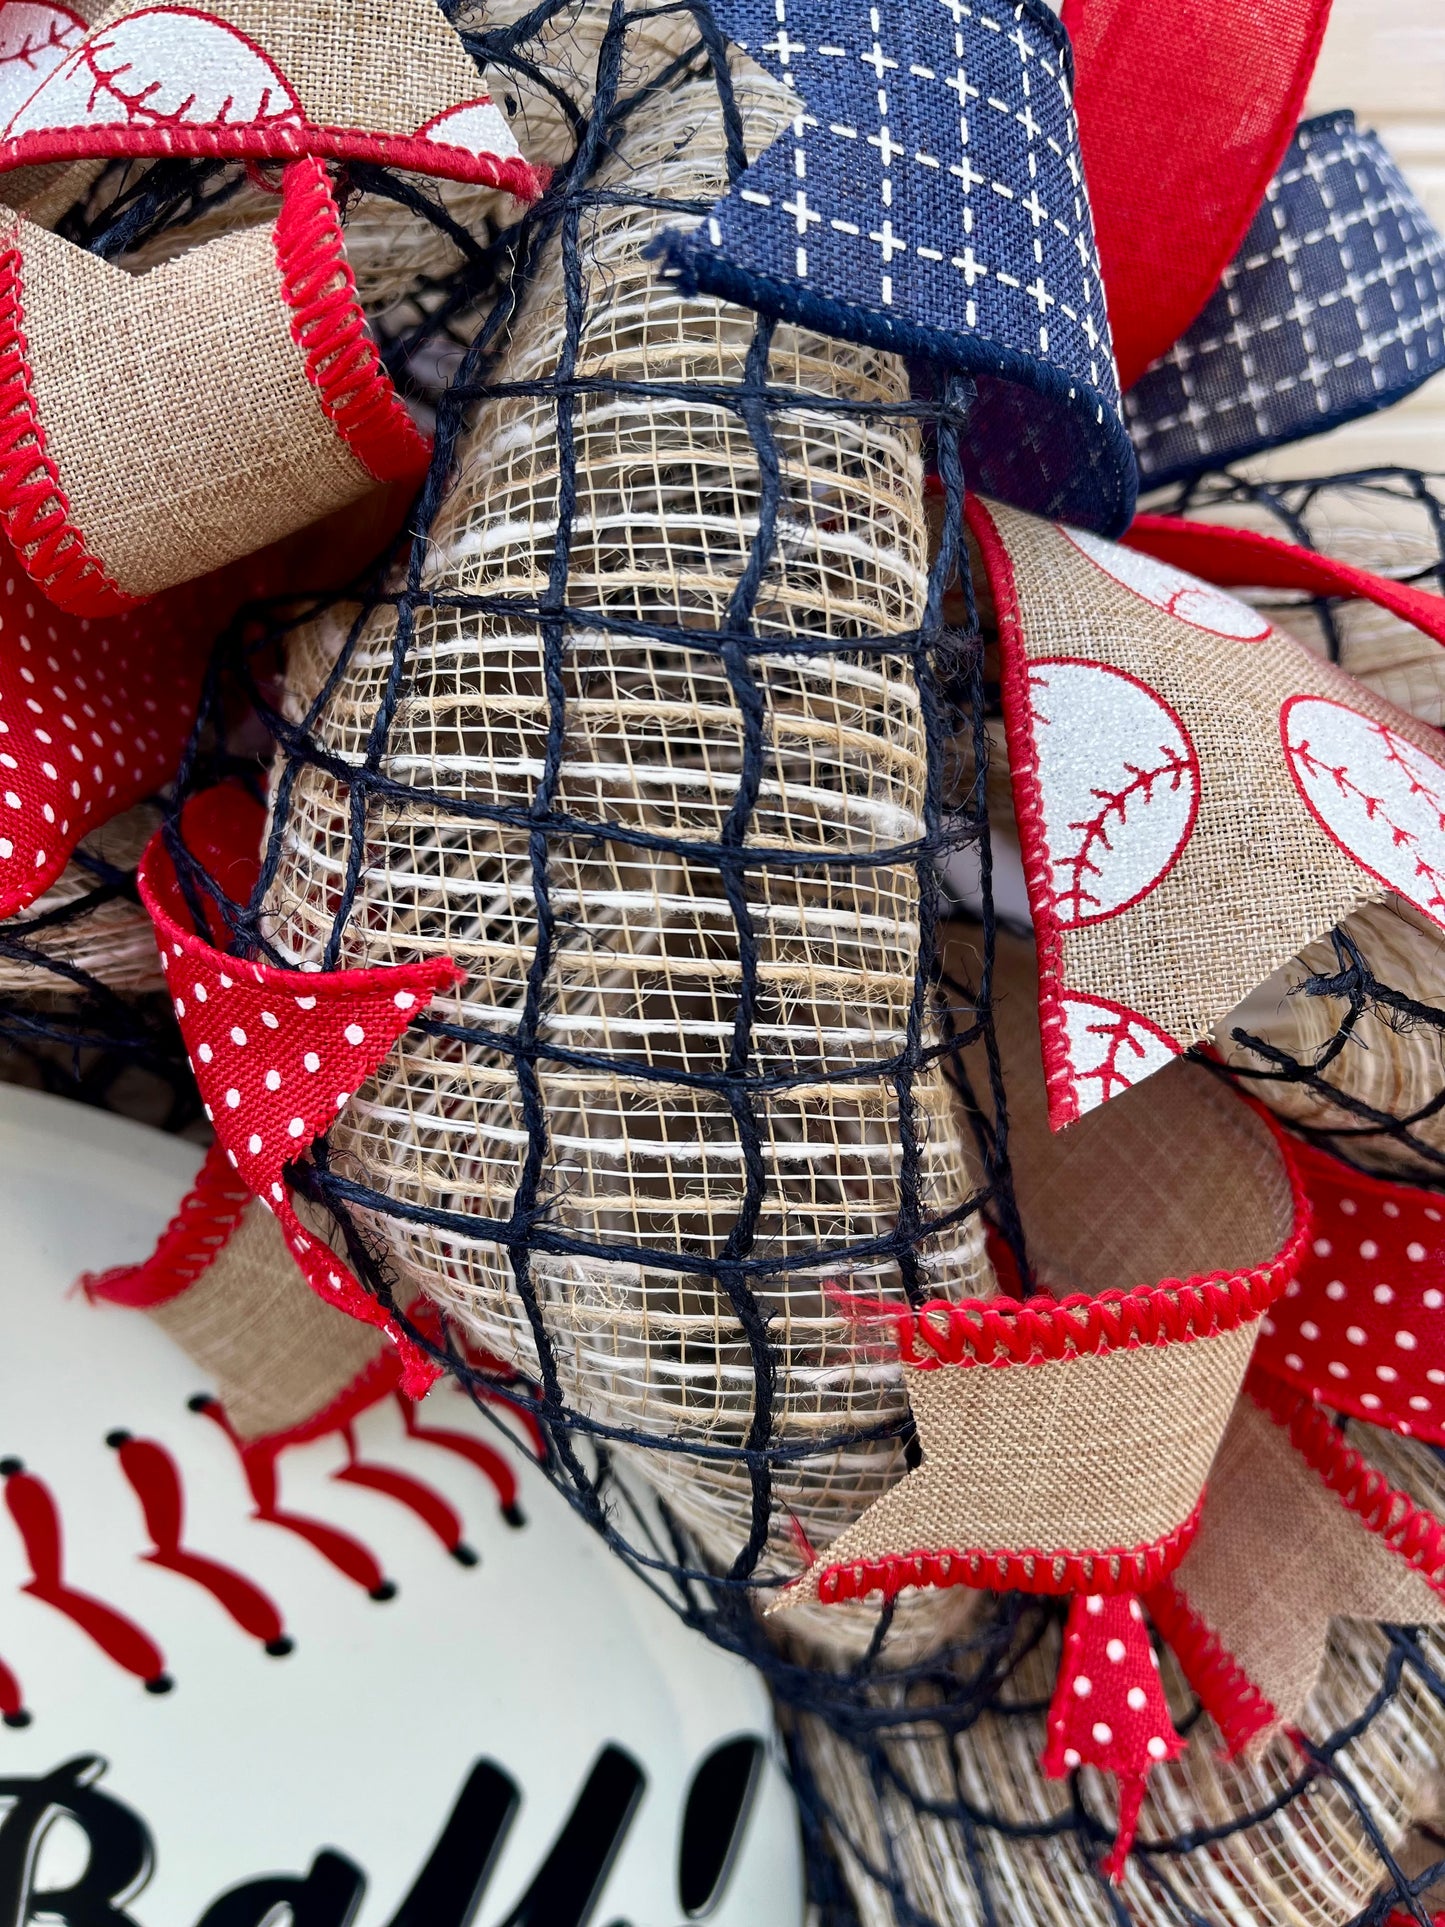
x=641, y=944
x=951, y=1818
x=1385, y=1061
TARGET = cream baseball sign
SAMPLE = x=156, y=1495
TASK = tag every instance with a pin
x=386, y=1704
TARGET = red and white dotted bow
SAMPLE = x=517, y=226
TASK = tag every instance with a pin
x=277, y=1053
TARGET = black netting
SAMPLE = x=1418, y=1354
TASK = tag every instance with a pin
x=914, y=1753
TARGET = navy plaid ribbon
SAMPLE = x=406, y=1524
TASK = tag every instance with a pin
x=930, y=199
x=1334, y=307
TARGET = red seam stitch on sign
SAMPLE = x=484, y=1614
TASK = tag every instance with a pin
x=292, y=143
x=1118, y=1569
x=1417, y=1536
x=1228, y=1695
x=424, y=1502
x=33, y=503
x=190, y=1244
x=1059, y=1075
x=328, y=325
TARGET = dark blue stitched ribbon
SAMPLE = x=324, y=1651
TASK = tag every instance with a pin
x=1333, y=307
x=930, y=199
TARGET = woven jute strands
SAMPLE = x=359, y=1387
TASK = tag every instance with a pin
x=175, y=407
x=275, y=1353
x=106, y=936
x=1177, y=1181
x=1308, y=1861
x=646, y=963
x=1375, y=1076
x=1167, y=960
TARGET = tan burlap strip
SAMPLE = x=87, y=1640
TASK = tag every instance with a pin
x=276, y=1355
x=1122, y=711
x=1108, y=1448
x=176, y=407
x=1278, y=1556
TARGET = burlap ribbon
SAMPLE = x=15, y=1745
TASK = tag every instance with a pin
x=222, y=1283
x=155, y=427
x=383, y=80
x=1197, y=796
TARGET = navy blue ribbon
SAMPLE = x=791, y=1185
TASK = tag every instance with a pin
x=1334, y=307
x=930, y=199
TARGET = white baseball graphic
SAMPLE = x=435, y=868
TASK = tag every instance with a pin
x=34, y=40
x=1118, y=786
x=167, y=66
x=1110, y=1049
x=477, y=126
x=1380, y=798
x=1172, y=590
x=218, y=1719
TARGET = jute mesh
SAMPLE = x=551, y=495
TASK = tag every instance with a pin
x=664, y=725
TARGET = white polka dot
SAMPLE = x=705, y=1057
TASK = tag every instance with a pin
x=226, y=982
x=343, y=1098
x=273, y=1080
x=1267, y=1326
x=1115, y=1649
x=1071, y=1757
x=180, y=1008
x=1383, y=1295
x=7, y=848
x=305, y=1003
x=1136, y=1699
x=1136, y=1611
x=253, y=1144
x=1435, y=1375
x=198, y=991
x=1294, y=1362
x=1083, y=1686
x=271, y=1022
x=277, y=1193
x=311, y=1061
x=1419, y=1404
x=1356, y=1334
x=1309, y=1329
x=1432, y=1300
x=1102, y=1733
x=1337, y=1370
x=1386, y=1374
x=1415, y=1252
x=1157, y=1749
x=1323, y=1247
x=205, y=1053
x=1405, y=1340
x=1432, y=1214
x=1335, y=1289
x=403, y=1000
x=354, y=1034
x=1368, y=1248
x=231, y=1160
x=238, y=1036
x=297, y=1127
x=233, y=1099
x=1369, y=1401
x=1390, y=1208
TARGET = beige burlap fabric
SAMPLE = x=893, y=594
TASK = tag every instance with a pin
x=264, y=78
x=276, y=1355
x=646, y=963
x=1278, y=1557
x=175, y=408
x=1097, y=1452
x=111, y=939
x=1197, y=796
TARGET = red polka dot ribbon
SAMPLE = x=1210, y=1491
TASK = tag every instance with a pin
x=1108, y=1708
x=93, y=716
x=1360, y=1327
x=277, y=1053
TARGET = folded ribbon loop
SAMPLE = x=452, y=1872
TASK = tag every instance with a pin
x=277, y=1053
